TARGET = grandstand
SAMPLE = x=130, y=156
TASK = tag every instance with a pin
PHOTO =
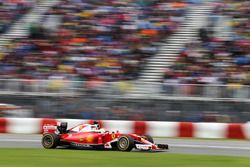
x=128, y=58
x=95, y=40
x=11, y=11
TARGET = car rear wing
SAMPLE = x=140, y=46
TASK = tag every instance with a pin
x=51, y=128
x=60, y=127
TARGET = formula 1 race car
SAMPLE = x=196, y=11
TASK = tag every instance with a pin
x=91, y=136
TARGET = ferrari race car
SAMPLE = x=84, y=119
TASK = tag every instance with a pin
x=91, y=136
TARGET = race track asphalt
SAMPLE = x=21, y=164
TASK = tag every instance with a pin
x=182, y=146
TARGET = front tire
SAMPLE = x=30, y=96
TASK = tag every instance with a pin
x=50, y=140
x=125, y=143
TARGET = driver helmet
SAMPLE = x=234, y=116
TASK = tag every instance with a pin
x=97, y=124
x=94, y=127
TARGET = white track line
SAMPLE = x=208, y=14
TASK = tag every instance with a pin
x=170, y=145
x=212, y=147
x=19, y=140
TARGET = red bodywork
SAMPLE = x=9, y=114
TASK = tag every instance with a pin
x=81, y=136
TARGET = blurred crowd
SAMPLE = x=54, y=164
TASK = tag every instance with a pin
x=238, y=10
x=214, y=60
x=92, y=40
x=98, y=41
x=12, y=10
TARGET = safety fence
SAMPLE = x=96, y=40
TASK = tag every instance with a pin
x=126, y=109
x=62, y=87
x=207, y=90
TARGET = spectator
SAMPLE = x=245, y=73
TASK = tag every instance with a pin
x=106, y=40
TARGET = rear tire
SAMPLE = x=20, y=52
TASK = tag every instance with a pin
x=50, y=140
x=148, y=138
x=125, y=143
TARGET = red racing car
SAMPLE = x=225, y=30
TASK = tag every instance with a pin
x=93, y=137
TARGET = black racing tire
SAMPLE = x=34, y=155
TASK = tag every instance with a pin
x=125, y=143
x=148, y=138
x=50, y=140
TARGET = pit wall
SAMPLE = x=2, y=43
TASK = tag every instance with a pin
x=154, y=128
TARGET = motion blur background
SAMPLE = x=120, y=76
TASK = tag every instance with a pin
x=160, y=60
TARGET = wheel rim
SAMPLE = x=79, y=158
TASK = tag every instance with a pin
x=47, y=140
x=123, y=143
